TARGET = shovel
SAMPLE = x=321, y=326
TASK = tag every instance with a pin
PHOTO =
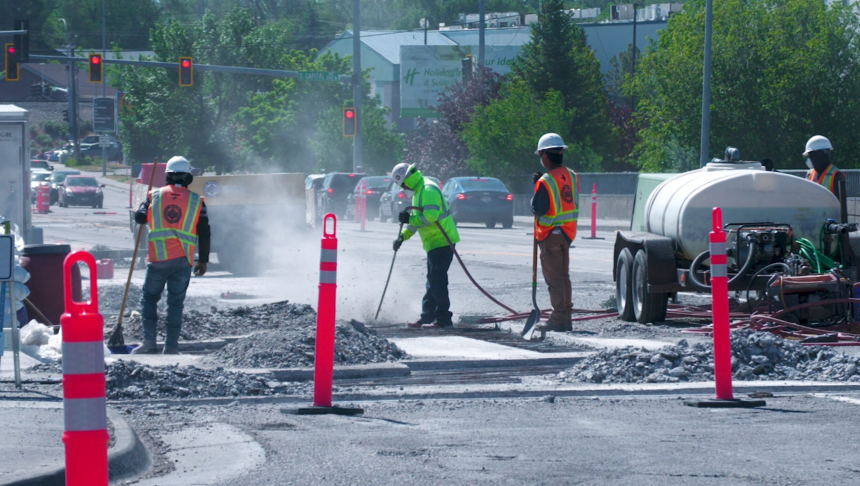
x=534, y=316
x=389, y=277
x=116, y=343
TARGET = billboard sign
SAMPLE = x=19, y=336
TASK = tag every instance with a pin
x=427, y=71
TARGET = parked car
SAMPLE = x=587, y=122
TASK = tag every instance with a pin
x=94, y=140
x=58, y=177
x=80, y=190
x=376, y=185
x=332, y=195
x=396, y=199
x=41, y=164
x=95, y=151
x=37, y=177
x=480, y=200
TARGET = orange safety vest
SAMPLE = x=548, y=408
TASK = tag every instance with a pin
x=827, y=177
x=564, y=197
x=172, y=218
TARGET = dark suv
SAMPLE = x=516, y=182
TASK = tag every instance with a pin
x=332, y=195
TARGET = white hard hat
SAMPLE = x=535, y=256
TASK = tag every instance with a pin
x=400, y=172
x=550, y=141
x=817, y=143
x=178, y=165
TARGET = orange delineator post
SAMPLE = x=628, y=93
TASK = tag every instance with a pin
x=326, y=310
x=84, y=405
x=720, y=306
x=593, y=211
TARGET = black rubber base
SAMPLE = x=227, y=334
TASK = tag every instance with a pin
x=323, y=411
x=736, y=403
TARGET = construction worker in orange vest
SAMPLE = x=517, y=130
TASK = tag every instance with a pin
x=177, y=222
x=555, y=208
x=821, y=171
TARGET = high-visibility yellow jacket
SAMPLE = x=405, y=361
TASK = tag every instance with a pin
x=428, y=197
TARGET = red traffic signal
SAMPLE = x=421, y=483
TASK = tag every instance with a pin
x=96, y=68
x=349, y=122
x=11, y=63
x=186, y=71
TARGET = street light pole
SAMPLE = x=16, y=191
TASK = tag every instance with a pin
x=706, y=86
x=356, y=85
x=104, y=83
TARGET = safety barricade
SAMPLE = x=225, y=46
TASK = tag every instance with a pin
x=593, y=214
x=84, y=407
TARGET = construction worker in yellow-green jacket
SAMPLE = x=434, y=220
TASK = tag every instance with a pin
x=429, y=212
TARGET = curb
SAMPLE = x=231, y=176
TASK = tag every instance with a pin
x=592, y=392
x=349, y=372
x=569, y=359
x=127, y=459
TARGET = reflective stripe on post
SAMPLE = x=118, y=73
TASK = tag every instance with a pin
x=84, y=409
x=720, y=306
x=326, y=310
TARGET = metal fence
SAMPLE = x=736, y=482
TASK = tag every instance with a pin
x=852, y=179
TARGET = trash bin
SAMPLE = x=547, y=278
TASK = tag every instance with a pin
x=45, y=264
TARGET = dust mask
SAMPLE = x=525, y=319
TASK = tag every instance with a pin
x=809, y=163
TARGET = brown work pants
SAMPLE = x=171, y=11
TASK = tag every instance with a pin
x=555, y=264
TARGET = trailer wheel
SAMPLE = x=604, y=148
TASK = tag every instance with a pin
x=648, y=308
x=624, y=286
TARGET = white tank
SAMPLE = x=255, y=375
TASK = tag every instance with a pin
x=680, y=208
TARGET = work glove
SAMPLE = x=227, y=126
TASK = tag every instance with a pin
x=537, y=177
x=199, y=269
x=403, y=217
x=397, y=243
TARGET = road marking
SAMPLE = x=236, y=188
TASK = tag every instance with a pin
x=854, y=401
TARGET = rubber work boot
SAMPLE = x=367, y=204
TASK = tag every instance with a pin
x=415, y=324
x=435, y=326
x=550, y=326
x=171, y=350
x=171, y=341
x=147, y=347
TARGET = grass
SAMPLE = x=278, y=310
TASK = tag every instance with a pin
x=121, y=178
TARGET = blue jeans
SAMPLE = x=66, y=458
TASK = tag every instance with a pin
x=176, y=273
x=436, y=305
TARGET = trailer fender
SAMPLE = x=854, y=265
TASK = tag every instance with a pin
x=660, y=251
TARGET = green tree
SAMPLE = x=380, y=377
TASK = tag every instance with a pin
x=503, y=135
x=128, y=22
x=46, y=31
x=558, y=58
x=783, y=70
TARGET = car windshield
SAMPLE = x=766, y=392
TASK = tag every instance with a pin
x=81, y=182
x=40, y=177
x=477, y=184
x=378, y=183
x=61, y=176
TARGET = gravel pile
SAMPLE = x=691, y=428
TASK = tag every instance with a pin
x=200, y=325
x=110, y=300
x=132, y=380
x=293, y=347
x=755, y=356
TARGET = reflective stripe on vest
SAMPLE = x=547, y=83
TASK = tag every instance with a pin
x=827, y=177
x=562, y=213
x=426, y=223
x=177, y=238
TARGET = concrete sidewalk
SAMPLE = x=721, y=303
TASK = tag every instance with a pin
x=32, y=448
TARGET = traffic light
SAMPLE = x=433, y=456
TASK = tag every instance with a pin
x=22, y=41
x=46, y=90
x=36, y=90
x=96, y=68
x=349, y=122
x=186, y=71
x=11, y=63
x=66, y=115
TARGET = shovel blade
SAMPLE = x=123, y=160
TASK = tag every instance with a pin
x=529, y=328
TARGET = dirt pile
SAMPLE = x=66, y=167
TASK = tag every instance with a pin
x=755, y=356
x=293, y=346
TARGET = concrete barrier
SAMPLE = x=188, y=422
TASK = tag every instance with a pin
x=609, y=206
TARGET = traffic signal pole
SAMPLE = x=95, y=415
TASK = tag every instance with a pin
x=104, y=84
x=356, y=85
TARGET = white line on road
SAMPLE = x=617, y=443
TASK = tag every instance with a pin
x=838, y=398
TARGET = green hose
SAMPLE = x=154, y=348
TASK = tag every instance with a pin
x=821, y=263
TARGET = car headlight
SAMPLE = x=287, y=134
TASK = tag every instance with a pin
x=68, y=192
x=98, y=192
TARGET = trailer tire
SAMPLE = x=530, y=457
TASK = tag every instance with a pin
x=624, y=286
x=649, y=308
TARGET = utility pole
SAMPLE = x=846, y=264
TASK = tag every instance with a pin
x=706, y=85
x=104, y=83
x=426, y=23
x=73, y=103
x=481, y=15
x=633, y=59
x=356, y=84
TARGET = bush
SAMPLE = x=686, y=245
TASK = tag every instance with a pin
x=55, y=129
x=71, y=162
x=45, y=140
